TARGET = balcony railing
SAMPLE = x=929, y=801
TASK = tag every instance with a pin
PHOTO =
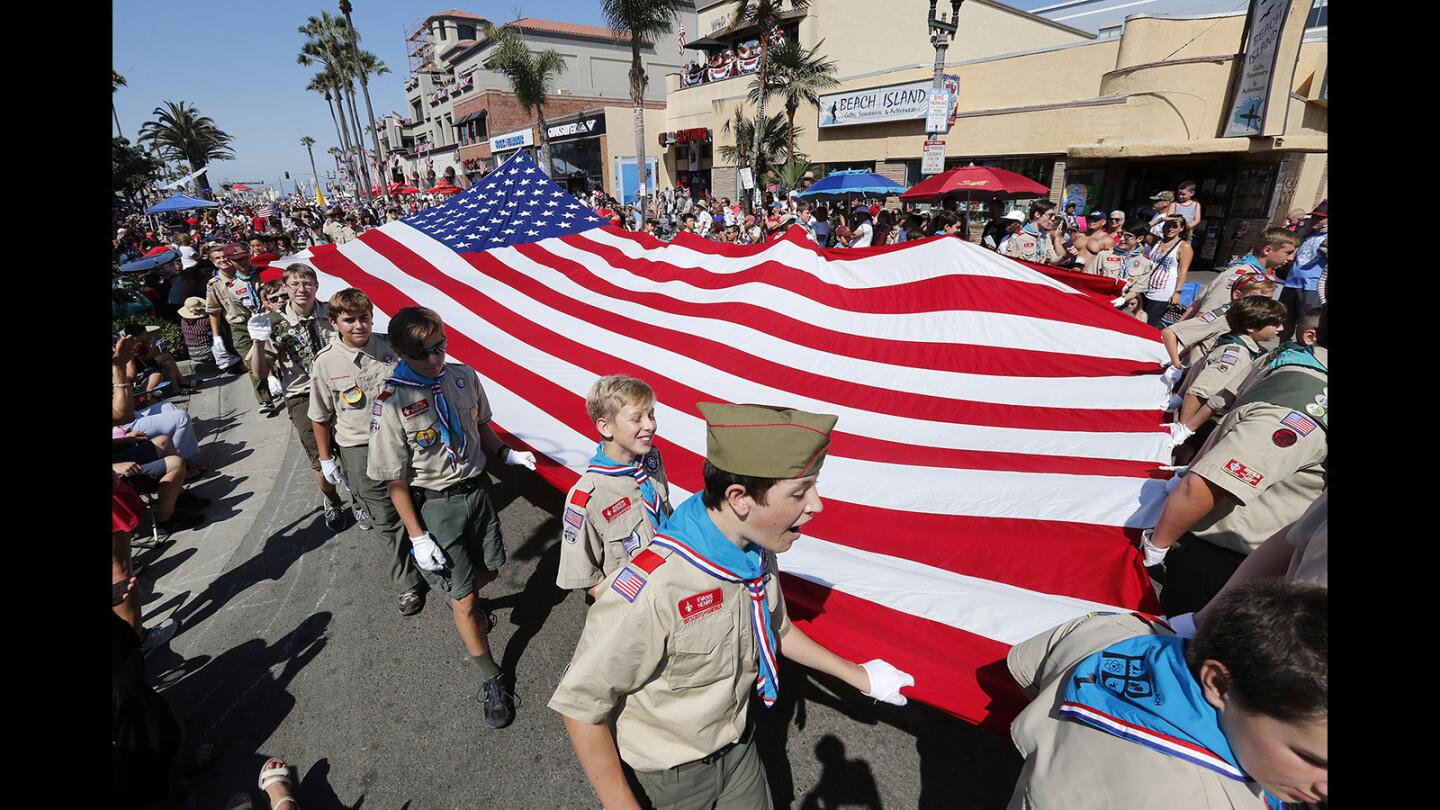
x=719, y=71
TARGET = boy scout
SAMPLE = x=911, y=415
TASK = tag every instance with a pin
x=1125, y=714
x=1276, y=248
x=1197, y=336
x=231, y=297
x=1135, y=269
x=674, y=642
x=349, y=374
x=1258, y=471
x=428, y=441
x=1032, y=242
x=286, y=342
x=1252, y=320
x=620, y=501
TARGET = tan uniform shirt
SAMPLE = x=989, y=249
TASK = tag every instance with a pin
x=1031, y=248
x=1071, y=766
x=1311, y=538
x=331, y=227
x=294, y=342
x=680, y=661
x=1274, y=468
x=405, y=443
x=1109, y=263
x=1197, y=336
x=1221, y=288
x=220, y=299
x=1224, y=367
x=345, y=383
x=605, y=524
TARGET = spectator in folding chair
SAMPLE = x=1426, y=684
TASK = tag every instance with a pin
x=155, y=363
x=156, y=469
x=126, y=512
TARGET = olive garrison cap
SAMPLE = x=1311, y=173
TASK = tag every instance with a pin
x=764, y=442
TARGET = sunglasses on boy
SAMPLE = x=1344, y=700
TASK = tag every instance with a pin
x=434, y=351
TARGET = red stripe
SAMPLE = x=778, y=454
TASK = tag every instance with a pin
x=1090, y=575
x=742, y=364
x=1150, y=731
x=959, y=672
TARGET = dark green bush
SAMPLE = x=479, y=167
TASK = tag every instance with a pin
x=174, y=340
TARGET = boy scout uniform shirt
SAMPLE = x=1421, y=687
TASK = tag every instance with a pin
x=1271, y=459
x=218, y=299
x=344, y=384
x=680, y=660
x=1071, y=766
x=1197, y=335
x=405, y=443
x=1220, y=288
x=294, y=342
x=613, y=526
x=1223, y=368
x=1109, y=263
x=1031, y=248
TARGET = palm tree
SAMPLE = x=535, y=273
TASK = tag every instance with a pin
x=529, y=74
x=369, y=65
x=766, y=15
x=798, y=76
x=116, y=82
x=774, y=133
x=181, y=133
x=322, y=84
x=325, y=44
x=335, y=153
x=307, y=142
x=791, y=175
x=639, y=19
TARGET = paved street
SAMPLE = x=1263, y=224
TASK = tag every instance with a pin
x=290, y=646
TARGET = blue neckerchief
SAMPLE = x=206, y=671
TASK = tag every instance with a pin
x=1141, y=690
x=604, y=465
x=1252, y=260
x=690, y=533
x=451, y=432
x=1291, y=353
x=252, y=295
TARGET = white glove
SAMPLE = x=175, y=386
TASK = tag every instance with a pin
x=1183, y=625
x=330, y=468
x=258, y=327
x=1174, y=483
x=885, y=682
x=1179, y=433
x=276, y=389
x=1172, y=374
x=1153, y=556
x=1175, y=402
x=217, y=345
x=1118, y=302
x=521, y=458
x=427, y=555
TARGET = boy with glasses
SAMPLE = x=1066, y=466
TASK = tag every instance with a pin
x=1032, y=242
x=430, y=436
x=286, y=342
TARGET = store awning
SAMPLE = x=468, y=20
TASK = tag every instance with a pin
x=474, y=116
x=1202, y=146
x=721, y=39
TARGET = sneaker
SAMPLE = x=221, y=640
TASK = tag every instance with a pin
x=179, y=522
x=499, y=703
x=161, y=634
x=334, y=517
x=236, y=369
x=412, y=602
x=270, y=408
x=362, y=518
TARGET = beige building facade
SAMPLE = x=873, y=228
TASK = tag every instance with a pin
x=1102, y=122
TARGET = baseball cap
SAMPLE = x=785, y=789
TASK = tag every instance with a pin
x=1018, y=216
x=236, y=250
x=1164, y=196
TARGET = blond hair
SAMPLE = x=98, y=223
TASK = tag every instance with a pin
x=299, y=269
x=611, y=393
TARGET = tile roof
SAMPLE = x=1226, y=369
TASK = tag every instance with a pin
x=454, y=12
x=569, y=29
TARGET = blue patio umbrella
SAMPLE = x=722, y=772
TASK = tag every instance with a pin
x=150, y=262
x=848, y=183
x=180, y=202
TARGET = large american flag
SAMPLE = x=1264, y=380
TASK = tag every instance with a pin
x=999, y=439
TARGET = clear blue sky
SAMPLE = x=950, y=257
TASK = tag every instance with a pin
x=235, y=61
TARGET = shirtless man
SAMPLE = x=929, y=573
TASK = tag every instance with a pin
x=1094, y=240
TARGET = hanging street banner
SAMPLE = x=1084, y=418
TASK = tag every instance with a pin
x=892, y=102
x=1250, y=107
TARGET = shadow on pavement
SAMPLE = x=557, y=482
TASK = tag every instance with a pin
x=533, y=604
x=843, y=782
x=314, y=791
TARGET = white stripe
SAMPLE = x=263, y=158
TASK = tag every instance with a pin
x=1132, y=392
x=997, y=611
x=1153, y=738
x=688, y=430
x=955, y=326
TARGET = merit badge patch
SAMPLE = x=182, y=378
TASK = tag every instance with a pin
x=352, y=395
x=574, y=522
x=628, y=584
x=426, y=437
x=1245, y=474
x=1284, y=437
x=1299, y=422
x=652, y=462
x=631, y=543
x=1314, y=409
x=698, y=605
x=616, y=509
x=415, y=408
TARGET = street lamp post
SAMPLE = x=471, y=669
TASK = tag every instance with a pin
x=346, y=8
x=941, y=32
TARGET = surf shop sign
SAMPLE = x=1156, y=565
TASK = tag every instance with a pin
x=892, y=102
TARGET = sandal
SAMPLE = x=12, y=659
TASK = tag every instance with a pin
x=279, y=773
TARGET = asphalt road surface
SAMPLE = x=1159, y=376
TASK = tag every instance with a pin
x=290, y=645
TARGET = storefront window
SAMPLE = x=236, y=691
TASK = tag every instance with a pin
x=577, y=164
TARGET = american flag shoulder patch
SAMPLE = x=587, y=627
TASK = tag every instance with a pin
x=628, y=584
x=574, y=522
x=1298, y=422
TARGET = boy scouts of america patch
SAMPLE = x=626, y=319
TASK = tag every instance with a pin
x=698, y=605
x=616, y=509
x=628, y=584
x=1243, y=473
x=652, y=462
x=415, y=408
x=574, y=522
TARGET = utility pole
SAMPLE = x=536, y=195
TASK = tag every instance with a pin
x=941, y=32
x=346, y=8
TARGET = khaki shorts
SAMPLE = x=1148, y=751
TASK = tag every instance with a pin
x=299, y=409
x=463, y=522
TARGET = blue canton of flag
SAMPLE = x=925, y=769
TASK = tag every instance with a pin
x=513, y=205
